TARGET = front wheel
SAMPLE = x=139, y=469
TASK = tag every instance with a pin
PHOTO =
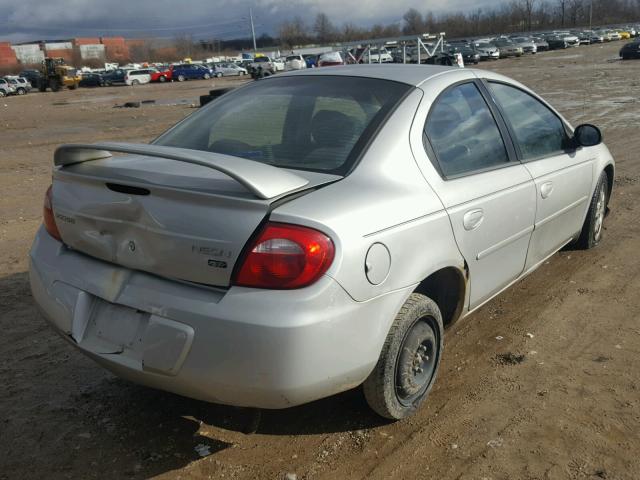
x=409, y=361
x=2, y=94
x=181, y=78
x=218, y=75
x=591, y=233
x=206, y=76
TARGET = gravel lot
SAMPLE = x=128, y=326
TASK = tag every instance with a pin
x=541, y=383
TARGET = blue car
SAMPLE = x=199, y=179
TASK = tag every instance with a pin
x=190, y=71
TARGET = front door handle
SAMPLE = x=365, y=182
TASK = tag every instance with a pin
x=546, y=189
x=472, y=219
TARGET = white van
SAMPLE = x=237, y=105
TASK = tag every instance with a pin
x=137, y=77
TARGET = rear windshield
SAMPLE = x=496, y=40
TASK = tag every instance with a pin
x=317, y=123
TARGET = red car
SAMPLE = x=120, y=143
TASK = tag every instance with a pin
x=160, y=76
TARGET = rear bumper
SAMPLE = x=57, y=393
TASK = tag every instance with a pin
x=243, y=347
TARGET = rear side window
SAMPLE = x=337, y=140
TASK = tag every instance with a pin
x=463, y=132
x=538, y=130
x=309, y=123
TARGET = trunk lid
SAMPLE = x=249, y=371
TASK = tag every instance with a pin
x=166, y=217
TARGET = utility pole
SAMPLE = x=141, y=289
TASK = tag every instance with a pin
x=590, y=14
x=253, y=31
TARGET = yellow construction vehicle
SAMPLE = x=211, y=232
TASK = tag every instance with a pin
x=54, y=74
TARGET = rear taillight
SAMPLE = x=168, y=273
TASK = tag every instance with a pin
x=49, y=220
x=285, y=256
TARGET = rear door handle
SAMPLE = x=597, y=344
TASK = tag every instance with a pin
x=472, y=219
x=546, y=189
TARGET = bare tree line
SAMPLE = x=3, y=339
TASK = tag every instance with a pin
x=515, y=16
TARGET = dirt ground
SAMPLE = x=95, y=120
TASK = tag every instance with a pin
x=541, y=383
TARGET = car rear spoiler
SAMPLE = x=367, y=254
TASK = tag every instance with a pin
x=262, y=180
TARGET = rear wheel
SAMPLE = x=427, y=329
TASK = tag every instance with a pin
x=162, y=79
x=2, y=94
x=593, y=227
x=206, y=76
x=181, y=78
x=55, y=86
x=21, y=91
x=135, y=82
x=409, y=361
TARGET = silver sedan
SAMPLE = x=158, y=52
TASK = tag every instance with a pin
x=230, y=69
x=313, y=232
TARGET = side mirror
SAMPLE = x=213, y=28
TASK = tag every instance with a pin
x=587, y=135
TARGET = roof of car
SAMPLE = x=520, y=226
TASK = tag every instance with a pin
x=410, y=74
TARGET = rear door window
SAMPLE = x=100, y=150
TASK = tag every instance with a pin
x=463, y=132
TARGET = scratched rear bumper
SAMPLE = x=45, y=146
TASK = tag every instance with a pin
x=245, y=347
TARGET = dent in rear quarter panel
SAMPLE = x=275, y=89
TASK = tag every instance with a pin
x=384, y=200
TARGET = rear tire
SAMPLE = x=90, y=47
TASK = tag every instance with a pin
x=162, y=79
x=135, y=82
x=593, y=227
x=409, y=361
x=206, y=76
x=181, y=78
x=2, y=94
x=21, y=91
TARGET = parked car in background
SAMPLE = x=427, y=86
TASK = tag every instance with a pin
x=114, y=77
x=624, y=35
x=311, y=60
x=203, y=264
x=295, y=62
x=4, y=90
x=630, y=50
x=137, y=77
x=597, y=37
x=541, y=44
x=613, y=35
x=279, y=64
x=32, y=76
x=92, y=80
x=330, y=59
x=373, y=55
x=556, y=42
x=230, y=70
x=526, y=43
x=584, y=37
x=161, y=76
x=507, y=48
x=262, y=65
x=486, y=50
x=570, y=39
x=21, y=85
x=189, y=71
x=7, y=87
x=469, y=55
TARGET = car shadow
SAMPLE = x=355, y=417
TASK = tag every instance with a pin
x=63, y=414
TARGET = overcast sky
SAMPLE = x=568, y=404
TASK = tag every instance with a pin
x=24, y=20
